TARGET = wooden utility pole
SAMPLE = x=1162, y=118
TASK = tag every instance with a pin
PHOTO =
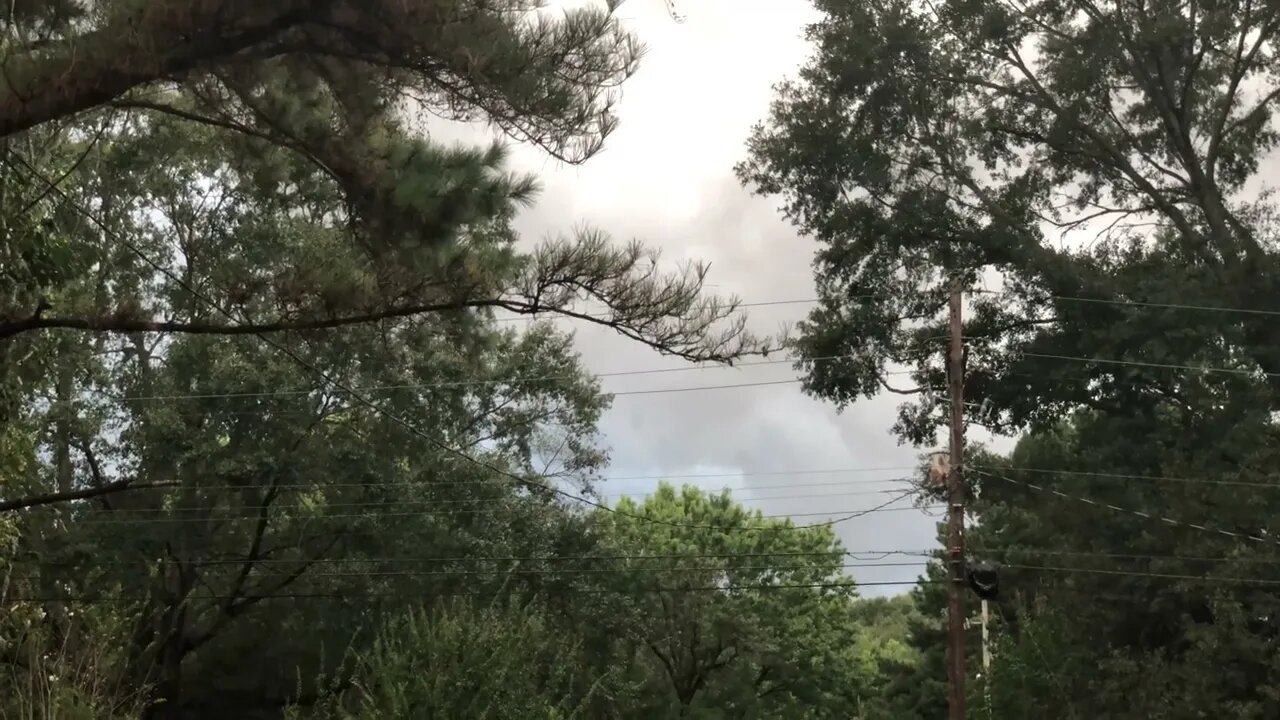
x=986, y=640
x=986, y=657
x=955, y=519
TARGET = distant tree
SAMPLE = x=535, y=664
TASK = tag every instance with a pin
x=779, y=640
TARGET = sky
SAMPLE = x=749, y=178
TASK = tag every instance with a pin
x=666, y=177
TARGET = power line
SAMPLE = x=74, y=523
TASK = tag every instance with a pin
x=1145, y=304
x=1134, y=363
x=474, y=383
x=620, y=393
x=860, y=555
x=720, y=589
x=466, y=501
x=845, y=515
x=1167, y=576
x=1129, y=511
x=428, y=485
x=730, y=386
x=871, y=557
x=1051, y=552
x=544, y=572
x=494, y=381
x=697, y=388
x=727, y=568
x=1123, y=476
x=1165, y=366
x=551, y=378
x=772, y=473
x=664, y=391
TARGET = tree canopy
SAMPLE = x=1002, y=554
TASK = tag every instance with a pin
x=266, y=443
x=1075, y=154
x=271, y=448
x=1092, y=176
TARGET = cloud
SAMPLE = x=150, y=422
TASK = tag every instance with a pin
x=666, y=177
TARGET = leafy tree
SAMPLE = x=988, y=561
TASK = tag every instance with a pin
x=460, y=661
x=291, y=130
x=735, y=615
x=246, y=502
x=250, y=474
x=547, y=79
x=1132, y=603
x=1099, y=163
x=924, y=145
x=893, y=639
x=206, y=516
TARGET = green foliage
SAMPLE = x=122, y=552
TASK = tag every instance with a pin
x=246, y=513
x=547, y=79
x=269, y=156
x=1100, y=163
x=67, y=665
x=1100, y=151
x=718, y=614
x=306, y=196
x=779, y=639
x=1109, y=613
x=462, y=661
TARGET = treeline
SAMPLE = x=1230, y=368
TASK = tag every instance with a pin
x=687, y=605
x=267, y=452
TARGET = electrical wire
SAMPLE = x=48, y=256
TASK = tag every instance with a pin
x=1129, y=511
x=612, y=478
x=850, y=584
x=1123, y=476
x=720, y=589
x=625, y=393
x=694, y=388
x=1053, y=552
x=1140, y=303
x=258, y=411
x=537, y=572
x=1164, y=366
x=844, y=515
x=699, y=388
x=866, y=556
x=1260, y=582
x=860, y=555
x=462, y=501
x=492, y=381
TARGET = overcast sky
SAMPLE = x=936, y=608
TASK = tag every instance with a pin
x=666, y=177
